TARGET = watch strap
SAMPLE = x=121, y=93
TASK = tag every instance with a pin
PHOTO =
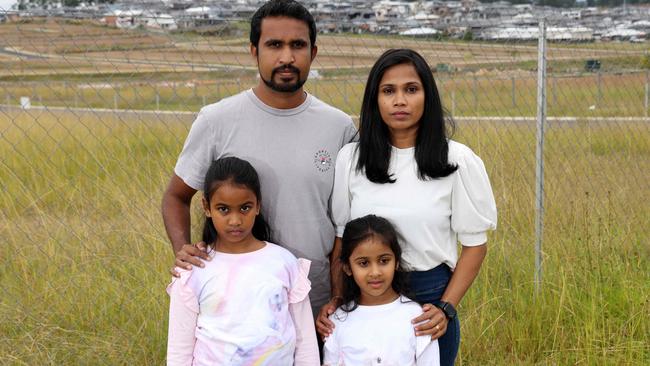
x=447, y=308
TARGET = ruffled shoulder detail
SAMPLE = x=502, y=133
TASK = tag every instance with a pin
x=473, y=206
x=300, y=283
x=180, y=288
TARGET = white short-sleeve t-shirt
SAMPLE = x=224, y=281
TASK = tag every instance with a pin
x=379, y=335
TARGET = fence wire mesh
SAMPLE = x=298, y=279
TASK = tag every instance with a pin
x=93, y=118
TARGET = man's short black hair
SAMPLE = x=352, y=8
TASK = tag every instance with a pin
x=282, y=8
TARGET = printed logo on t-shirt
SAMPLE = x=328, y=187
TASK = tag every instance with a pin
x=323, y=160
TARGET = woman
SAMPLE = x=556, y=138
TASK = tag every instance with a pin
x=434, y=190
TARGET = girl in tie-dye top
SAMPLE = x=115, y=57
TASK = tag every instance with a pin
x=249, y=304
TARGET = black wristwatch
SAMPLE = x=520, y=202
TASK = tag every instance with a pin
x=448, y=309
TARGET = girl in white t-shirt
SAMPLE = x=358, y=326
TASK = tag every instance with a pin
x=373, y=326
x=249, y=304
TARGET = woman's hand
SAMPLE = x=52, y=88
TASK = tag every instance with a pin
x=324, y=326
x=432, y=322
x=190, y=255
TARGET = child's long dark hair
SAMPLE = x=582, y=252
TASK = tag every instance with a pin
x=357, y=231
x=239, y=172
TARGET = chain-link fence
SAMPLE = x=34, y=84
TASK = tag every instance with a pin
x=93, y=117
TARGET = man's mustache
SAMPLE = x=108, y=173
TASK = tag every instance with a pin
x=285, y=68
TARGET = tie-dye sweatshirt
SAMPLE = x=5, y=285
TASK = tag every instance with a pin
x=243, y=309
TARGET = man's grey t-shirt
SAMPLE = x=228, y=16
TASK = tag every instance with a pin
x=294, y=152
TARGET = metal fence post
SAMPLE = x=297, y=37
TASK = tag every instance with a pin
x=539, y=154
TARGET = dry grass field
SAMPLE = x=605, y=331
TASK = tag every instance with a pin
x=85, y=257
x=59, y=63
x=95, y=44
x=498, y=94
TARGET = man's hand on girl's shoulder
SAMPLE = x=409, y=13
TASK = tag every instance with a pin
x=432, y=322
x=324, y=326
x=189, y=255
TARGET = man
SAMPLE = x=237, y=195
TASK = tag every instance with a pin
x=290, y=137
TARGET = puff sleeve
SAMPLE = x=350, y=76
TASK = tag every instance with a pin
x=300, y=284
x=306, y=353
x=473, y=209
x=341, y=192
x=183, y=314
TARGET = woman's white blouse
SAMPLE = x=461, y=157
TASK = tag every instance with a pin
x=431, y=215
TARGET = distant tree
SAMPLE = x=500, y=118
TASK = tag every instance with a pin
x=71, y=3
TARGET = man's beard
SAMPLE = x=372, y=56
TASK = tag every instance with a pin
x=284, y=88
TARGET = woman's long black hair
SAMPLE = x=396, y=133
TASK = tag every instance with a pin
x=431, y=147
x=356, y=232
x=239, y=172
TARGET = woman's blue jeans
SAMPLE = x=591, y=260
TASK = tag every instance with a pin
x=428, y=287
